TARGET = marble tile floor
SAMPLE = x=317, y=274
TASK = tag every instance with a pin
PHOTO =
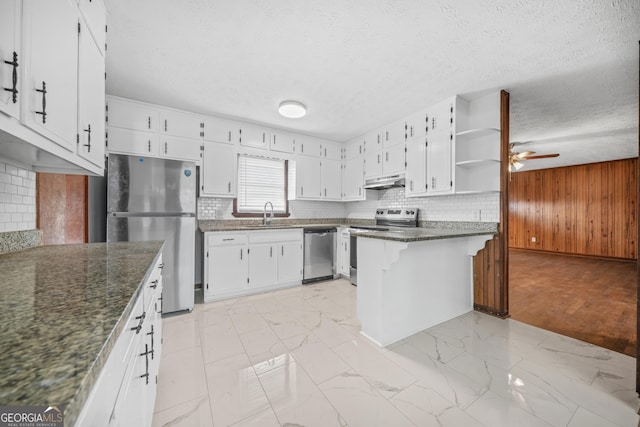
x=295, y=357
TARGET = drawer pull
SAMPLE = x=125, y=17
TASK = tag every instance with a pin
x=228, y=239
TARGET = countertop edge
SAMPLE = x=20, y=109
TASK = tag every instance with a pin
x=77, y=402
x=380, y=235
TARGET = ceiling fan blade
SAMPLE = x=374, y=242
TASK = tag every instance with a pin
x=523, y=155
x=516, y=143
x=517, y=165
x=542, y=156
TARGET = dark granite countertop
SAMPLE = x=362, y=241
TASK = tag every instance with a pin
x=420, y=234
x=62, y=309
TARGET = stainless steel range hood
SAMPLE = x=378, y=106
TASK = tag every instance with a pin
x=384, y=182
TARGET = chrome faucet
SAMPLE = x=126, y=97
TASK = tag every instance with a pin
x=265, y=220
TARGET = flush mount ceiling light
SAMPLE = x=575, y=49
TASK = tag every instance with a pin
x=292, y=109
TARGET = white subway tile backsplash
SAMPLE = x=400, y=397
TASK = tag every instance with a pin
x=17, y=198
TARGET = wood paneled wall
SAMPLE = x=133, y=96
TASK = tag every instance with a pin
x=61, y=208
x=586, y=209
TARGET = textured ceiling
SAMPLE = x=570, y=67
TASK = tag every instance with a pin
x=571, y=66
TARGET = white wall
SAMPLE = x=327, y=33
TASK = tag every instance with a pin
x=17, y=198
x=213, y=208
x=465, y=207
x=442, y=208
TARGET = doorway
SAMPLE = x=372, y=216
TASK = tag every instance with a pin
x=573, y=251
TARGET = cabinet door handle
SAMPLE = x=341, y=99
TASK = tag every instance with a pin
x=378, y=158
x=229, y=187
x=88, y=144
x=282, y=250
x=160, y=299
x=165, y=125
x=386, y=134
x=325, y=152
x=229, y=136
x=43, y=91
x=14, y=78
x=387, y=156
x=360, y=148
x=148, y=122
x=151, y=333
x=302, y=190
x=271, y=252
x=146, y=358
x=241, y=254
x=141, y=321
x=154, y=284
x=228, y=239
x=302, y=147
x=165, y=148
x=149, y=145
x=325, y=192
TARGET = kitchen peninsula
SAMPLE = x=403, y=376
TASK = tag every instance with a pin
x=64, y=310
x=411, y=280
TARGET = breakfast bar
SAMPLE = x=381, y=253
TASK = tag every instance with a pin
x=411, y=280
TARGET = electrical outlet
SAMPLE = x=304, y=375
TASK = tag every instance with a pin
x=534, y=240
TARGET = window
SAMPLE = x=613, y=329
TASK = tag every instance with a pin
x=261, y=180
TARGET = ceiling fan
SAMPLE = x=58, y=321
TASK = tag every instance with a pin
x=516, y=159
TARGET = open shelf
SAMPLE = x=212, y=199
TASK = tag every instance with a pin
x=476, y=162
x=477, y=191
x=467, y=135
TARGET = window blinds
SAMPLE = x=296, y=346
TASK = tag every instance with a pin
x=260, y=180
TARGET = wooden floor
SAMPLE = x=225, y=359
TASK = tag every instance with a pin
x=593, y=300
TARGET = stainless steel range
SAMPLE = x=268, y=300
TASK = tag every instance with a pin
x=386, y=219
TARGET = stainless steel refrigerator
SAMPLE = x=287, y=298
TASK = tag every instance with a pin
x=155, y=199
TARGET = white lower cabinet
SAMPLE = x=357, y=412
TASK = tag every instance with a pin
x=246, y=262
x=263, y=265
x=343, y=252
x=125, y=392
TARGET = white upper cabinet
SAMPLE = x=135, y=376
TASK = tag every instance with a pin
x=394, y=159
x=394, y=134
x=282, y=142
x=373, y=140
x=132, y=115
x=442, y=115
x=416, y=174
x=253, y=136
x=308, y=146
x=353, y=179
x=215, y=129
x=219, y=164
x=373, y=163
x=439, y=163
x=11, y=59
x=331, y=150
x=308, y=184
x=51, y=83
x=183, y=125
x=331, y=179
x=180, y=148
x=91, y=99
x=95, y=15
x=354, y=148
x=126, y=141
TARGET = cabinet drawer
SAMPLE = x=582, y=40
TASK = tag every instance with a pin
x=275, y=236
x=220, y=239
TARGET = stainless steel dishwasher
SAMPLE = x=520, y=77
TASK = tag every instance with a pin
x=319, y=247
